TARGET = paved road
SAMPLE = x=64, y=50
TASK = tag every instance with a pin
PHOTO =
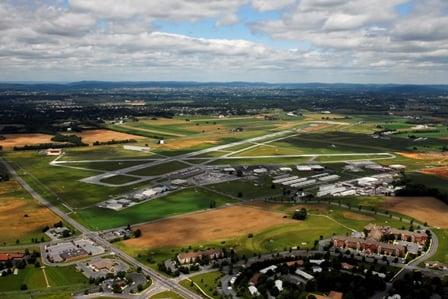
x=155, y=276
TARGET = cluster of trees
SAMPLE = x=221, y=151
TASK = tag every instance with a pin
x=42, y=146
x=415, y=285
x=73, y=139
x=300, y=214
x=414, y=189
x=114, y=142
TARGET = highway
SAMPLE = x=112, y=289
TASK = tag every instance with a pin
x=157, y=278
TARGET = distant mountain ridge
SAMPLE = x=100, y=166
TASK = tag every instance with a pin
x=107, y=85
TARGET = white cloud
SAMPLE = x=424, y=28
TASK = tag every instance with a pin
x=344, y=40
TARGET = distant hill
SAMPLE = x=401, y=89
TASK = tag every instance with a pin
x=108, y=85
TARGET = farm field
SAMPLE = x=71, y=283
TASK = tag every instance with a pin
x=102, y=135
x=184, y=201
x=424, y=209
x=207, y=282
x=23, y=219
x=13, y=140
x=218, y=224
x=277, y=235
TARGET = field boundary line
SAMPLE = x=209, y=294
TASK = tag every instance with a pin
x=45, y=276
x=334, y=220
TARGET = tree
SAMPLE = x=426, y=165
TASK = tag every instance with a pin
x=300, y=214
x=212, y=204
x=137, y=233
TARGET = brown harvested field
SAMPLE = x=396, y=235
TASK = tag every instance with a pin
x=102, y=135
x=356, y=216
x=21, y=217
x=216, y=224
x=425, y=209
x=24, y=139
x=432, y=156
x=438, y=171
x=183, y=143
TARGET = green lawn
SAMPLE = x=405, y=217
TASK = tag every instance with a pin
x=160, y=169
x=119, y=179
x=106, y=166
x=248, y=189
x=34, y=278
x=442, y=250
x=173, y=204
x=106, y=152
x=207, y=282
x=166, y=295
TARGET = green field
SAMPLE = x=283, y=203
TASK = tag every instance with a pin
x=119, y=179
x=34, y=279
x=248, y=189
x=109, y=152
x=59, y=184
x=105, y=166
x=179, y=202
x=322, y=221
x=442, y=251
x=207, y=282
x=160, y=169
x=166, y=295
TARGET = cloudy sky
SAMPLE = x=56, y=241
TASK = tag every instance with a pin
x=375, y=41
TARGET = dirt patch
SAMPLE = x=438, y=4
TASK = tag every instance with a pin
x=21, y=216
x=434, y=156
x=176, y=144
x=13, y=140
x=424, y=209
x=438, y=171
x=90, y=136
x=211, y=225
x=356, y=216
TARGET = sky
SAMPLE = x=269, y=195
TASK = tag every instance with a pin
x=351, y=41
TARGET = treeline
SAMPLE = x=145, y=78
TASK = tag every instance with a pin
x=74, y=139
x=414, y=189
x=114, y=142
x=42, y=146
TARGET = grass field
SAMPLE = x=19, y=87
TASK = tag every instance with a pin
x=442, y=251
x=216, y=224
x=166, y=295
x=22, y=218
x=248, y=189
x=118, y=179
x=180, y=202
x=12, y=140
x=34, y=278
x=322, y=221
x=207, y=282
x=59, y=184
x=106, y=152
x=160, y=169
